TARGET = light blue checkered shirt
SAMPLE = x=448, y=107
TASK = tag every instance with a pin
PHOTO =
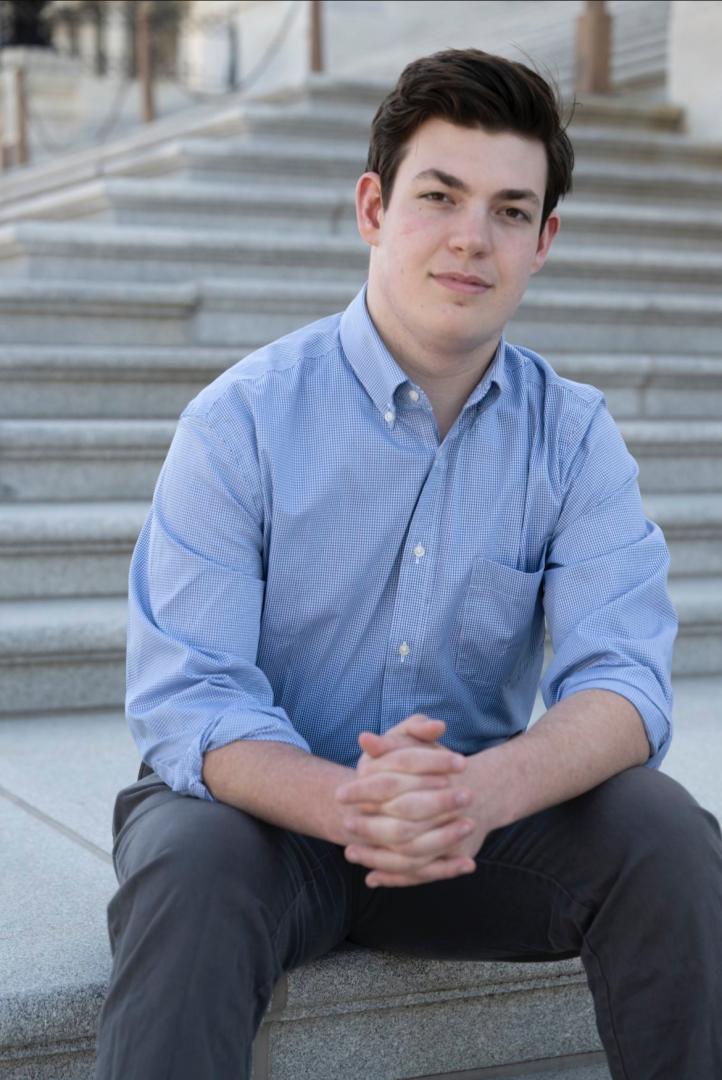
x=317, y=564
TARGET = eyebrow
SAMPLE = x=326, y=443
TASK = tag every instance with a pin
x=509, y=194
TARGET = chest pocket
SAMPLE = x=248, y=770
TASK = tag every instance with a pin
x=495, y=623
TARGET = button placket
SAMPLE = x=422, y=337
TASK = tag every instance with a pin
x=411, y=605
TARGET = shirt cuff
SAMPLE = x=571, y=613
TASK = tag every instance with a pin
x=189, y=771
x=657, y=722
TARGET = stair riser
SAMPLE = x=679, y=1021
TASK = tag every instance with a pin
x=291, y=223
x=116, y=324
x=645, y=191
x=79, y=570
x=677, y=469
x=70, y=572
x=61, y=682
x=144, y=399
x=29, y=391
x=55, y=478
x=37, y=1063
x=133, y=268
x=624, y=332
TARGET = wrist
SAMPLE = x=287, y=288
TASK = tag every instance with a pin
x=492, y=789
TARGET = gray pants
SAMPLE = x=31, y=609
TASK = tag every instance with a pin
x=214, y=905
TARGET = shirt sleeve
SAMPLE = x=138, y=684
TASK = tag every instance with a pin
x=195, y=602
x=609, y=615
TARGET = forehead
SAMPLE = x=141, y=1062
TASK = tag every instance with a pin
x=478, y=157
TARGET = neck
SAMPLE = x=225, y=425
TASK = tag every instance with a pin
x=447, y=378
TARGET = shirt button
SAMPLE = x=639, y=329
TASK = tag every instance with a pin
x=404, y=649
x=419, y=551
x=414, y=395
x=389, y=416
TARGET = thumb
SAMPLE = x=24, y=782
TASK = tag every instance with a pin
x=416, y=728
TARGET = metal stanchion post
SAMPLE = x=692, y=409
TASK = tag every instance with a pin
x=21, y=118
x=144, y=60
x=594, y=37
x=316, y=36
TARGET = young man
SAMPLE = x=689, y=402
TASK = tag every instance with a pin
x=336, y=635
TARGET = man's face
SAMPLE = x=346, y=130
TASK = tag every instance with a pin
x=452, y=253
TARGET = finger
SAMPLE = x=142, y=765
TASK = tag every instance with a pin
x=381, y=786
x=416, y=727
x=440, y=870
x=439, y=840
x=425, y=805
x=390, y=832
x=406, y=856
x=413, y=728
x=380, y=858
x=418, y=759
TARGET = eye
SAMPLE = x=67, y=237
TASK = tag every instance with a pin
x=435, y=196
x=515, y=214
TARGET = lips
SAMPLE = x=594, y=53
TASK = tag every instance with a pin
x=465, y=283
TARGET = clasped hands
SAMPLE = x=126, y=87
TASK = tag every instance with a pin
x=408, y=815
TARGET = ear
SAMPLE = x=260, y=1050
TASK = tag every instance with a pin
x=551, y=228
x=369, y=207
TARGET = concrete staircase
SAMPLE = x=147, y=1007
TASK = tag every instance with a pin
x=127, y=282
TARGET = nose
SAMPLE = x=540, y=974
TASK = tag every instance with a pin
x=471, y=233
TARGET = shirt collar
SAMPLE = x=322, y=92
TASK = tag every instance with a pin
x=376, y=368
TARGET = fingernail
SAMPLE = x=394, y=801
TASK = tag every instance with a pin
x=469, y=868
x=351, y=854
x=462, y=798
x=458, y=762
x=464, y=829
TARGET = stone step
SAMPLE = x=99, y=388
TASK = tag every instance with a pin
x=227, y=313
x=69, y=653
x=692, y=525
x=108, y=381
x=120, y=459
x=53, y=250
x=68, y=549
x=142, y=383
x=210, y=119
x=50, y=550
x=61, y=654
x=68, y=460
x=611, y=321
x=64, y=312
x=676, y=456
x=172, y=202
x=639, y=386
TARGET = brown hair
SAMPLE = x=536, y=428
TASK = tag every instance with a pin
x=472, y=89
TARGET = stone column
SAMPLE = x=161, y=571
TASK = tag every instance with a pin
x=695, y=73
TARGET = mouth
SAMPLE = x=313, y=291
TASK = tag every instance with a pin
x=463, y=283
